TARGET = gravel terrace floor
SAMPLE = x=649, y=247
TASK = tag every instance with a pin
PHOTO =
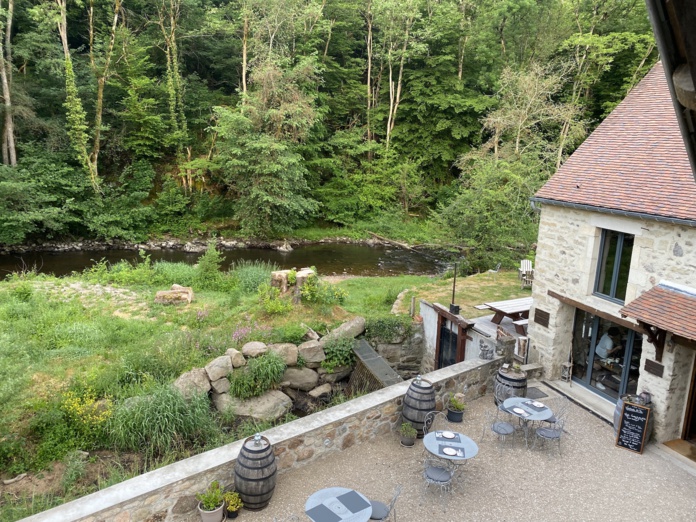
x=591, y=480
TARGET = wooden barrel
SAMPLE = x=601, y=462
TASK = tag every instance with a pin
x=634, y=399
x=509, y=384
x=255, y=473
x=418, y=401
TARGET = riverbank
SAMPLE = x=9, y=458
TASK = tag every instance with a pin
x=184, y=245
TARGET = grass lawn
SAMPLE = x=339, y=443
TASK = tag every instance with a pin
x=74, y=350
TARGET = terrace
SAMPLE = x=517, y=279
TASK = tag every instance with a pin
x=355, y=445
x=591, y=480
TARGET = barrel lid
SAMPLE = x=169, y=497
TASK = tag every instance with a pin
x=257, y=442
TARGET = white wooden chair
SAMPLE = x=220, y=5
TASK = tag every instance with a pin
x=526, y=273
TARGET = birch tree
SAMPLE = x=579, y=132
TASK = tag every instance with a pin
x=9, y=152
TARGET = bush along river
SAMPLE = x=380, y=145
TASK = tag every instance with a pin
x=357, y=259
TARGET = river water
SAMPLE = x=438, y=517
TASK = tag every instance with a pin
x=330, y=259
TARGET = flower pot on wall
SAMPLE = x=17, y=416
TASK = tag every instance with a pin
x=212, y=516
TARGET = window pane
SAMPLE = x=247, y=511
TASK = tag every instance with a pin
x=624, y=267
x=606, y=267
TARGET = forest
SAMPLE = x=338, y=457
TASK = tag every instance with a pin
x=427, y=120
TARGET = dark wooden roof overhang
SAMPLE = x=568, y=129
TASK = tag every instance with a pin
x=596, y=311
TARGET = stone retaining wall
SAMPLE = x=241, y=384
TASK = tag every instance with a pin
x=168, y=493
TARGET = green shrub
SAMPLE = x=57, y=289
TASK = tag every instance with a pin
x=249, y=275
x=162, y=422
x=339, y=352
x=388, y=329
x=315, y=291
x=288, y=334
x=258, y=376
x=167, y=274
x=271, y=301
x=208, y=275
x=211, y=498
x=23, y=291
x=75, y=465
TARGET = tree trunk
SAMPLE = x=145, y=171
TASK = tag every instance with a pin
x=9, y=152
x=245, y=37
x=101, y=82
x=368, y=17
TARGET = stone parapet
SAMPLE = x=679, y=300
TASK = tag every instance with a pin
x=168, y=493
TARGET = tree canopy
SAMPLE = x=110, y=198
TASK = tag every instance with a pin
x=124, y=118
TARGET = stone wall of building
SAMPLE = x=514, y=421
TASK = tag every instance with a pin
x=168, y=493
x=566, y=262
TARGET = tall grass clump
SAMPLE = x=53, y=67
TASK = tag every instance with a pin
x=208, y=274
x=249, y=275
x=139, y=272
x=168, y=273
x=162, y=422
x=258, y=376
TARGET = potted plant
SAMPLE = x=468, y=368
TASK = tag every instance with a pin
x=408, y=434
x=233, y=503
x=455, y=409
x=211, y=503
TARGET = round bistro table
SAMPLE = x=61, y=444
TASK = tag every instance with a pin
x=524, y=409
x=338, y=505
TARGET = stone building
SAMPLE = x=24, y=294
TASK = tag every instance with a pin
x=616, y=264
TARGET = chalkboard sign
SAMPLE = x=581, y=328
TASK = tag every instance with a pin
x=632, y=427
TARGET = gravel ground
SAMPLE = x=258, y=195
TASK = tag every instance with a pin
x=591, y=480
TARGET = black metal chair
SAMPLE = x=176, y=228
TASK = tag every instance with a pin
x=381, y=511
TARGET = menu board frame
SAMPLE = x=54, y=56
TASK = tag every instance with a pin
x=624, y=427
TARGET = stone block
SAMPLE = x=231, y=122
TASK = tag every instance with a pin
x=287, y=351
x=237, y=357
x=254, y=349
x=219, y=367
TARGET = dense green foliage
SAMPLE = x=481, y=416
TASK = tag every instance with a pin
x=251, y=117
x=339, y=352
x=258, y=376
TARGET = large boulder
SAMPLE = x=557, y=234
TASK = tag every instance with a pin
x=268, y=407
x=287, y=351
x=193, y=382
x=312, y=352
x=177, y=294
x=238, y=359
x=221, y=385
x=352, y=328
x=254, y=349
x=304, y=379
x=339, y=373
x=321, y=391
x=219, y=367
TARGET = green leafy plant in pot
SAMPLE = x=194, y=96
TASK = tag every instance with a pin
x=455, y=409
x=211, y=503
x=233, y=503
x=408, y=434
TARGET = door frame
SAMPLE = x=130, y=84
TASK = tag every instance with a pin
x=690, y=412
x=463, y=326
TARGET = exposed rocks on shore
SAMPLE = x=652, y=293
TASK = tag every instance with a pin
x=195, y=245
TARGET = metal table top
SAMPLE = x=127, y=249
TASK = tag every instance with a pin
x=527, y=410
x=338, y=505
x=464, y=447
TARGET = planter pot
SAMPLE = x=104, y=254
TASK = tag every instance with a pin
x=408, y=441
x=212, y=516
x=232, y=514
x=454, y=416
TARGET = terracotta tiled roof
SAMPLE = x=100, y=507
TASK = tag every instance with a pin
x=669, y=308
x=634, y=161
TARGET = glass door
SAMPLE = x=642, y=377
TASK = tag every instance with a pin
x=606, y=356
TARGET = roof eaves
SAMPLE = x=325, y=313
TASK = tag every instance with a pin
x=615, y=211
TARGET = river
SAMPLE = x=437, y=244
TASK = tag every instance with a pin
x=329, y=259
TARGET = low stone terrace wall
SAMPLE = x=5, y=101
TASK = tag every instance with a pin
x=168, y=493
